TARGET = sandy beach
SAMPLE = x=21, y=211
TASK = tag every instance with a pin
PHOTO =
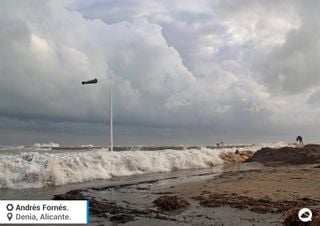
x=275, y=183
x=282, y=185
x=240, y=194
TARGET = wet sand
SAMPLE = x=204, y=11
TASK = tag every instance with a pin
x=283, y=186
x=276, y=183
x=132, y=203
x=232, y=194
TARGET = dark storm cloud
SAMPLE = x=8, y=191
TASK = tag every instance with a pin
x=293, y=67
x=219, y=67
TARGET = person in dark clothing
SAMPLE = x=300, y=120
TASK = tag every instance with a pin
x=299, y=139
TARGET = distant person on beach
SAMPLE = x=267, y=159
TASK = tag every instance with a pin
x=299, y=139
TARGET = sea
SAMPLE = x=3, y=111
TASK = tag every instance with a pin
x=43, y=166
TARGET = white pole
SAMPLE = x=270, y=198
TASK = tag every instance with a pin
x=111, y=123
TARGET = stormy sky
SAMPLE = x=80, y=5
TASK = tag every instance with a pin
x=183, y=71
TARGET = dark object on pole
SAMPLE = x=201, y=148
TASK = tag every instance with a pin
x=93, y=81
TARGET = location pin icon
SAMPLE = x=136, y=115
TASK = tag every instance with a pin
x=9, y=215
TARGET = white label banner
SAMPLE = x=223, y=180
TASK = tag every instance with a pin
x=44, y=212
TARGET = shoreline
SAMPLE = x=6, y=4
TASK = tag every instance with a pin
x=133, y=203
x=238, y=194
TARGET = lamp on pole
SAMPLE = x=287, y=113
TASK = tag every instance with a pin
x=94, y=81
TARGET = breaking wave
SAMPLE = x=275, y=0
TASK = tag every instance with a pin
x=38, y=169
x=34, y=169
x=44, y=145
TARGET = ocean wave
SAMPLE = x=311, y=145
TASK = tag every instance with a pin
x=87, y=146
x=44, y=145
x=20, y=147
x=36, y=169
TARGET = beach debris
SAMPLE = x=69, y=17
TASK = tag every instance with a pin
x=237, y=157
x=121, y=218
x=111, y=210
x=290, y=218
x=316, y=220
x=259, y=205
x=169, y=203
x=293, y=155
x=71, y=195
x=210, y=164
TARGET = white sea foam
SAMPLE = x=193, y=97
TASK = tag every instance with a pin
x=8, y=148
x=87, y=146
x=48, y=145
x=34, y=169
x=38, y=169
